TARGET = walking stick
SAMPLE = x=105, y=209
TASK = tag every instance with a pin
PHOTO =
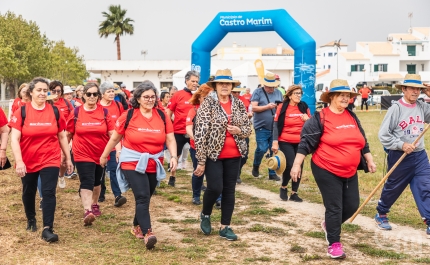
x=386, y=176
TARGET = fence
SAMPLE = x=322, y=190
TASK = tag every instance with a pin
x=6, y=105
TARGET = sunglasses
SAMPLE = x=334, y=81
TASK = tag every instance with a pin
x=56, y=91
x=95, y=94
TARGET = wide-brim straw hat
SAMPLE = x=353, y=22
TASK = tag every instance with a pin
x=412, y=80
x=238, y=89
x=51, y=96
x=277, y=162
x=270, y=80
x=339, y=86
x=224, y=76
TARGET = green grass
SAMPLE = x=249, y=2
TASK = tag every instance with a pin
x=380, y=253
x=315, y=234
x=297, y=248
x=422, y=260
x=312, y=257
x=263, y=259
x=267, y=229
x=350, y=228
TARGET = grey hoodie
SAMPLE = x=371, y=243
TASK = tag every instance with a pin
x=403, y=123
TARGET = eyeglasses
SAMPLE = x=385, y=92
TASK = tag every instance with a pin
x=147, y=98
x=298, y=94
x=56, y=91
x=89, y=94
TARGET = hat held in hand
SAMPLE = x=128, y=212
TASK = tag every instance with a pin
x=277, y=162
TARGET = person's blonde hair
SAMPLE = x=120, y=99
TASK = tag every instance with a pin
x=20, y=88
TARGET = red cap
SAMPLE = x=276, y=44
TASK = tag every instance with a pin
x=277, y=77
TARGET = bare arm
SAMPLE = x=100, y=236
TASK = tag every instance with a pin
x=169, y=113
x=15, y=138
x=171, y=146
x=296, y=170
x=189, y=130
x=4, y=130
x=113, y=141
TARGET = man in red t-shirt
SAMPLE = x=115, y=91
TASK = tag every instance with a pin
x=365, y=92
x=126, y=92
x=179, y=106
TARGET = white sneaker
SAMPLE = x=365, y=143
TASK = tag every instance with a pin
x=179, y=167
x=61, y=182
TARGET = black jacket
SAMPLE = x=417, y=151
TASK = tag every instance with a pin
x=312, y=132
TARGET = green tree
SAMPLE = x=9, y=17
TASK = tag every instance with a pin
x=116, y=24
x=66, y=65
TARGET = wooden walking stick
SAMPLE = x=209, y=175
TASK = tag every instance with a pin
x=386, y=176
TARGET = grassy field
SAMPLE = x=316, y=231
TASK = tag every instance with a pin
x=268, y=233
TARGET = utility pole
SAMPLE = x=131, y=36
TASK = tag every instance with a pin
x=410, y=15
x=337, y=45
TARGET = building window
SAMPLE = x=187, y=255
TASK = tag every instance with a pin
x=357, y=67
x=329, y=66
x=422, y=67
x=136, y=83
x=323, y=54
x=422, y=47
x=166, y=84
x=330, y=54
x=411, y=50
x=380, y=68
x=323, y=66
x=411, y=68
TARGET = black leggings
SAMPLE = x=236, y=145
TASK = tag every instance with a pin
x=49, y=178
x=290, y=151
x=181, y=140
x=90, y=175
x=341, y=199
x=221, y=176
x=364, y=102
x=143, y=186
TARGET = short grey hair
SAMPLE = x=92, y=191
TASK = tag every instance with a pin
x=190, y=74
x=106, y=86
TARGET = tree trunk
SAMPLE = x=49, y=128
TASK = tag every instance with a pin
x=118, y=47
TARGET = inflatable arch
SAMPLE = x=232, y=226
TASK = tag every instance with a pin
x=255, y=21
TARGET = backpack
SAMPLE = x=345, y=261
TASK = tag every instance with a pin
x=56, y=113
x=76, y=112
x=303, y=107
x=130, y=115
x=69, y=105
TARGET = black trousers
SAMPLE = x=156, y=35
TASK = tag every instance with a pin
x=90, y=174
x=49, y=178
x=341, y=199
x=290, y=151
x=364, y=102
x=181, y=140
x=221, y=176
x=244, y=159
x=143, y=186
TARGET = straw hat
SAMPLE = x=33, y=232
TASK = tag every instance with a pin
x=238, y=89
x=270, y=80
x=51, y=96
x=277, y=162
x=223, y=76
x=337, y=85
x=412, y=80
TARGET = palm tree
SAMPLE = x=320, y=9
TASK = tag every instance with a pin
x=116, y=24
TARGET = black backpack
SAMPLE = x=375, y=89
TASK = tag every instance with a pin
x=130, y=115
x=56, y=113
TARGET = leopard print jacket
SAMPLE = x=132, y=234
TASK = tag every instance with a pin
x=211, y=125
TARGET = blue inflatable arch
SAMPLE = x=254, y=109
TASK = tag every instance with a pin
x=255, y=21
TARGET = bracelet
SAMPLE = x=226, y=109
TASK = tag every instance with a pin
x=175, y=157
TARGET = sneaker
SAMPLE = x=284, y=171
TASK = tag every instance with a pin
x=197, y=201
x=274, y=177
x=255, y=171
x=61, y=182
x=31, y=225
x=101, y=199
x=179, y=166
x=218, y=204
x=335, y=251
x=172, y=181
x=227, y=233
x=120, y=201
x=325, y=230
x=89, y=218
x=40, y=205
x=382, y=222
x=203, y=188
x=96, y=210
x=73, y=175
x=238, y=180
x=295, y=198
x=137, y=232
x=428, y=231
x=205, y=224
x=150, y=239
x=49, y=236
x=283, y=193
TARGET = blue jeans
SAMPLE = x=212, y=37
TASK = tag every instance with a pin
x=196, y=182
x=264, y=140
x=111, y=167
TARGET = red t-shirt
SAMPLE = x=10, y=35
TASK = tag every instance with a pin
x=191, y=114
x=78, y=100
x=40, y=147
x=340, y=145
x=144, y=135
x=365, y=92
x=65, y=108
x=3, y=119
x=180, y=106
x=115, y=109
x=90, y=135
x=230, y=149
x=126, y=92
x=17, y=103
x=293, y=124
x=246, y=99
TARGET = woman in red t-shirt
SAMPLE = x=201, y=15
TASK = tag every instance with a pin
x=293, y=113
x=79, y=93
x=36, y=144
x=115, y=110
x=90, y=126
x=22, y=98
x=66, y=108
x=221, y=127
x=196, y=99
x=4, y=134
x=144, y=130
x=336, y=139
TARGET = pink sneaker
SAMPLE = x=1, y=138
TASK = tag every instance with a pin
x=335, y=251
x=150, y=239
x=137, y=232
x=89, y=218
x=96, y=210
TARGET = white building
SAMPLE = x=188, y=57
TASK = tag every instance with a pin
x=382, y=62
